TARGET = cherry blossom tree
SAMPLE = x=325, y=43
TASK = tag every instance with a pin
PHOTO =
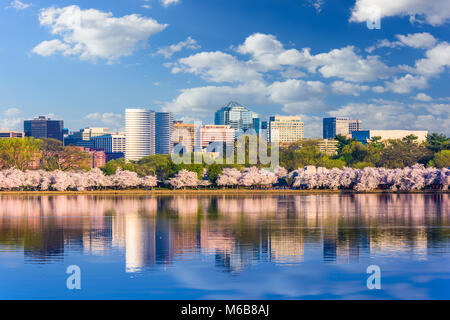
x=229, y=177
x=184, y=178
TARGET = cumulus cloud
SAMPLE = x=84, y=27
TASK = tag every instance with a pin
x=347, y=88
x=435, y=61
x=92, y=34
x=435, y=12
x=422, y=40
x=216, y=67
x=407, y=83
x=269, y=54
x=168, y=51
x=423, y=97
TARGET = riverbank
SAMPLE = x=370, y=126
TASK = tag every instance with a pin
x=165, y=192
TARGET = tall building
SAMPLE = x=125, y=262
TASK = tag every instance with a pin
x=340, y=126
x=111, y=143
x=5, y=134
x=234, y=115
x=187, y=135
x=217, y=133
x=365, y=135
x=43, y=127
x=163, y=132
x=85, y=137
x=87, y=134
x=140, y=133
x=285, y=129
x=256, y=123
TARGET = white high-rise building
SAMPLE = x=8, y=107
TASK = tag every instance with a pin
x=285, y=129
x=140, y=133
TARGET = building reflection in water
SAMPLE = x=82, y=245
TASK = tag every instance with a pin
x=237, y=231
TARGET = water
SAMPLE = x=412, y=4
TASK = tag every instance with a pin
x=225, y=247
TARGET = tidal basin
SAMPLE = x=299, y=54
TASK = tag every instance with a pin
x=261, y=246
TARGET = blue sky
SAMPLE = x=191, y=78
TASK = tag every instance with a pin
x=86, y=61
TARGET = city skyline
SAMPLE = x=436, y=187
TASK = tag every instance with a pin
x=303, y=64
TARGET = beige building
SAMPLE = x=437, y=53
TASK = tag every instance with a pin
x=216, y=133
x=328, y=146
x=185, y=134
x=365, y=135
x=5, y=134
x=285, y=129
x=87, y=134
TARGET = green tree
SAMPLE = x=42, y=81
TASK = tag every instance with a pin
x=441, y=159
x=342, y=142
x=404, y=153
x=111, y=167
x=19, y=153
x=73, y=158
x=50, y=150
x=214, y=170
x=438, y=142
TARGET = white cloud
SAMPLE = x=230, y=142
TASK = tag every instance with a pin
x=11, y=120
x=435, y=61
x=265, y=50
x=316, y=4
x=423, y=97
x=347, y=88
x=346, y=64
x=114, y=120
x=269, y=54
x=422, y=40
x=216, y=67
x=11, y=112
x=168, y=51
x=18, y=5
x=434, y=12
x=92, y=34
x=167, y=3
x=407, y=83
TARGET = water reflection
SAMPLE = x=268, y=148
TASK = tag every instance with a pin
x=239, y=231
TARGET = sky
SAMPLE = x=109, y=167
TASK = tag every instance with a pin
x=382, y=61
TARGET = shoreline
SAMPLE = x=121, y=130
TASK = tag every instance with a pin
x=211, y=192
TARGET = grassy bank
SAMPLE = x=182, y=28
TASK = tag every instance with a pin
x=166, y=192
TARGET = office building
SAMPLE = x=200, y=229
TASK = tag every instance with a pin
x=236, y=116
x=43, y=128
x=7, y=134
x=285, y=129
x=111, y=143
x=87, y=134
x=328, y=146
x=187, y=135
x=163, y=132
x=217, y=133
x=340, y=126
x=365, y=135
x=140, y=133
x=256, y=123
